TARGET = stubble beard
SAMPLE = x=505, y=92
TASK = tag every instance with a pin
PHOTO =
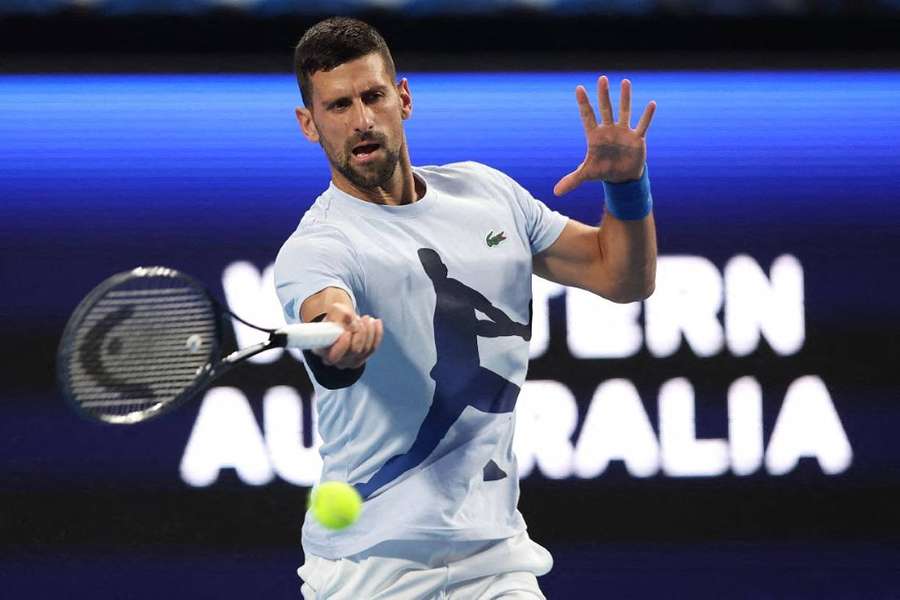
x=371, y=176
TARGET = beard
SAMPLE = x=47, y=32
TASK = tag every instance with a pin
x=373, y=175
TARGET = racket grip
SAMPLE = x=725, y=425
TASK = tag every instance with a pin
x=306, y=336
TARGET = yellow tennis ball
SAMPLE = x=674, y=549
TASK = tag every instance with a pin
x=335, y=504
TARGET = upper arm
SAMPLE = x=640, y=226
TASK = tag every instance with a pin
x=609, y=260
x=316, y=269
x=575, y=259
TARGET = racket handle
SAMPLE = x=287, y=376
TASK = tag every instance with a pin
x=306, y=336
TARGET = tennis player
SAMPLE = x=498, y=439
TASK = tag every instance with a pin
x=429, y=271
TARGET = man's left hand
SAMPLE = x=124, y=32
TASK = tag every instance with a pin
x=615, y=152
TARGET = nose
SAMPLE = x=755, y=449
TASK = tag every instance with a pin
x=362, y=119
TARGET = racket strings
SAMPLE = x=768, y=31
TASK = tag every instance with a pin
x=140, y=347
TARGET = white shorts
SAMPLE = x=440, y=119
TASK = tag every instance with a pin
x=430, y=570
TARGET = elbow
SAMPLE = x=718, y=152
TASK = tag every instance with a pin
x=648, y=288
x=624, y=287
x=645, y=285
x=629, y=297
x=634, y=292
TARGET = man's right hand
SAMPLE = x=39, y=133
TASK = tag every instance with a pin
x=362, y=334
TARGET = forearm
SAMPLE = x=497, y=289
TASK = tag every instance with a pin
x=627, y=238
x=628, y=252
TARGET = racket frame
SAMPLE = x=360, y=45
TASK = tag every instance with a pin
x=66, y=350
x=302, y=336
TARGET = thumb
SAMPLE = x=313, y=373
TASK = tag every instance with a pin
x=568, y=183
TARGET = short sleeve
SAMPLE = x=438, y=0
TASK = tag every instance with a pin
x=542, y=225
x=311, y=261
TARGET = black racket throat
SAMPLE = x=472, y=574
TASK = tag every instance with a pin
x=276, y=340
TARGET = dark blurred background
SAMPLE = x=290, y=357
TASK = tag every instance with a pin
x=733, y=435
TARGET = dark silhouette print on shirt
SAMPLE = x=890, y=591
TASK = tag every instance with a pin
x=459, y=378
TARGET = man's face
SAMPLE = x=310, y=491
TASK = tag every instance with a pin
x=357, y=117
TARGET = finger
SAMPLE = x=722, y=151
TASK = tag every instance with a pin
x=349, y=361
x=378, y=329
x=371, y=327
x=338, y=349
x=379, y=335
x=625, y=104
x=369, y=331
x=355, y=359
x=588, y=119
x=603, y=100
x=358, y=344
x=370, y=341
x=568, y=183
x=644, y=123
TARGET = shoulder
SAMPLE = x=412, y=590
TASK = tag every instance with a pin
x=320, y=227
x=320, y=213
x=463, y=170
x=319, y=239
x=468, y=175
x=314, y=239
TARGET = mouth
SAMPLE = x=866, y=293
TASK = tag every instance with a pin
x=364, y=152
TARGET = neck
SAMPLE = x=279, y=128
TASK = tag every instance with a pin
x=401, y=188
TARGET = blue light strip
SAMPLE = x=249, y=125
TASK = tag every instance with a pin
x=798, y=141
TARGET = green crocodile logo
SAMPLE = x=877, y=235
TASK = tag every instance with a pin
x=493, y=240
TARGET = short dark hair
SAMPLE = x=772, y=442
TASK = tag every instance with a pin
x=333, y=42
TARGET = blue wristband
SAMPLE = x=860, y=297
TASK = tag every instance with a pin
x=630, y=200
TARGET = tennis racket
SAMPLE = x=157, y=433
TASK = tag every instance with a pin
x=147, y=340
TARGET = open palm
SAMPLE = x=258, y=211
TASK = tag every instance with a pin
x=615, y=152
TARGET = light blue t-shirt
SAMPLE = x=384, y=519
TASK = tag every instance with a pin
x=426, y=433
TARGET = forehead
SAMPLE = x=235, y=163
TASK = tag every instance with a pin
x=350, y=78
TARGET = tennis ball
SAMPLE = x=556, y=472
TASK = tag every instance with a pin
x=335, y=504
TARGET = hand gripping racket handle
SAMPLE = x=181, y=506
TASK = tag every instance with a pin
x=303, y=336
x=306, y=336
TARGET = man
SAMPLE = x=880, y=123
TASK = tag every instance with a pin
x=431, y=267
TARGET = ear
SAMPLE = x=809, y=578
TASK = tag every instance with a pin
x=307, y=125
x=405, y=99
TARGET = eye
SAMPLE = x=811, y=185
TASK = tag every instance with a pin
x=373, y=97
x=339, y=105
